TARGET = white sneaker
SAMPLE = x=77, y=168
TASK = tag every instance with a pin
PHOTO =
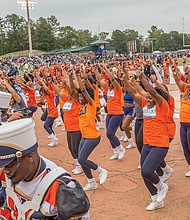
x=102, y=175
x=167, y=174
x=139, y=167
x=101, y=126
x=90, y=186
x=131, y=145
x=121, y=152
x=125, y=139
x=162, y=193
x=104, y=118
x=49, y=137
x=114, y=157
x=187, y=174
x=74, y=169
x=155, y=205
x=58, y=122
x=97, y=127
x=121, y=138
x=53, y=142
x=78, y=170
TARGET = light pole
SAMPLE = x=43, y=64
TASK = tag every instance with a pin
x=28, y=4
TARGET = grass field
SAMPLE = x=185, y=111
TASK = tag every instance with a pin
x=180, y=61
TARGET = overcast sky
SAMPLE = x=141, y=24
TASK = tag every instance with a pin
x=109, y=15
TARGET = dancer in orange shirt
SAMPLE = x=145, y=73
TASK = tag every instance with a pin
x=30, y=93
x=115, y=114
x=52, y=112
x=184, y=113
x=156, y=138
x=71, y=109
x=90, y=136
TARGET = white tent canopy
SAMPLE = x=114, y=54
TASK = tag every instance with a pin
x=157, y=52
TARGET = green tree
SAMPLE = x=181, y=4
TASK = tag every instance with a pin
x=94, y=38
x=103, y=35
x=44, y=38
x=155, y=32
x=54, y=23
x=67, y=37
x=84, y=37
x=171, y=41
x=154, y=35
x=118, y=40
x=2, y=36
x=15, y=30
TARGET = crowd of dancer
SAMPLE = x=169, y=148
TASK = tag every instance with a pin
x=126, y=94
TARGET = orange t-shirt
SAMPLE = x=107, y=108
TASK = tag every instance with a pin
x=71, y=114
x=114, y=104
x=165, y=66
x=171, y=123
x=51, y=107
x=122, y=99
x=185, y=105
x=155, y=130
x=30, y=97
x=96, y=97
x=87, y=122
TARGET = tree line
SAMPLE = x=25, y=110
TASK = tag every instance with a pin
x=48, y=34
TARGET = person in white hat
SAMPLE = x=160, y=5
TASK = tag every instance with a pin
x=32, y=181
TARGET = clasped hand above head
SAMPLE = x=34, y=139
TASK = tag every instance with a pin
x=77, y=72
x=140, y=74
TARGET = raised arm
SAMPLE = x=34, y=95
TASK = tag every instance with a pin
x=15, y=95
x=82, y=87
x=102, y=83
x=185, y=66
x=73, y=91
x=158, y=84
x=138, y=88
x=176, y=74
x=28, y=77
x=44, y=86
x=157, y=98
x=111, y=77
x=136, y=96
x=55, y=88
x=84, y=76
